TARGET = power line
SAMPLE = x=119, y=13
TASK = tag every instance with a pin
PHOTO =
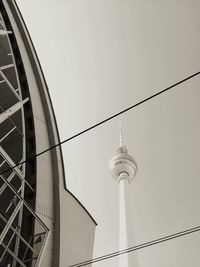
x=103, y=121
x=138, y=247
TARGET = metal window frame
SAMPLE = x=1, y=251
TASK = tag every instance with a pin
x=18, y=211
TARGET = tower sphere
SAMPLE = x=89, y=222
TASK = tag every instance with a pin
x=122, y=165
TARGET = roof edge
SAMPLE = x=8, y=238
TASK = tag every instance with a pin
x=84, y=208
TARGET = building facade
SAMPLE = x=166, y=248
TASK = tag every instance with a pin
x=39, y=218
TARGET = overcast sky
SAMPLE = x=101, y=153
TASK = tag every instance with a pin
x=99, y=57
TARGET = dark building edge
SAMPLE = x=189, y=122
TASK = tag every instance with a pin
x=31, y=166
x=38, y=73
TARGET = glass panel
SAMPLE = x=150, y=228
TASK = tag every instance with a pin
x=25, y=240
x=2, y=251
x=7, y=98
x=5, y=259
x=8, y=202
x=5, y=169
x=15, y=243
x=16, y=182
x=39, y=236
x=13, y=145
x=10, y=239
x=5, y=127
x=4, y=51
x=33, y=232
x=11, y=76
x=3, y=220
x=1, y=159
x=26, y=254
x=17, y=120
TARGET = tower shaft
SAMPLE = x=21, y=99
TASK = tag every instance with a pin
x=123, y=169
x=123, y=234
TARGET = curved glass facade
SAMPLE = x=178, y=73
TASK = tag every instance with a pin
x=22, y=233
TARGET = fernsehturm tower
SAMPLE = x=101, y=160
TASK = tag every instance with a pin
x=123, y=169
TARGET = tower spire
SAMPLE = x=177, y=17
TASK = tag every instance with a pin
x=121, y=134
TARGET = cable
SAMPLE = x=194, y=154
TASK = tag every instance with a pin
x=138, y=247
x=103, y=121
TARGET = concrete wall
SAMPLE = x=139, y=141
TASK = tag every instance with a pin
x=71, y=228
x=77, y=231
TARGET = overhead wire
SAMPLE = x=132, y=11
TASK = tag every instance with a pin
x=138, y=247
x=102, y=122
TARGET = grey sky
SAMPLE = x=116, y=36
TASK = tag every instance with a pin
x=100, y=57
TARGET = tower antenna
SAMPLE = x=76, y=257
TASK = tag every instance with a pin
x=121, y=134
